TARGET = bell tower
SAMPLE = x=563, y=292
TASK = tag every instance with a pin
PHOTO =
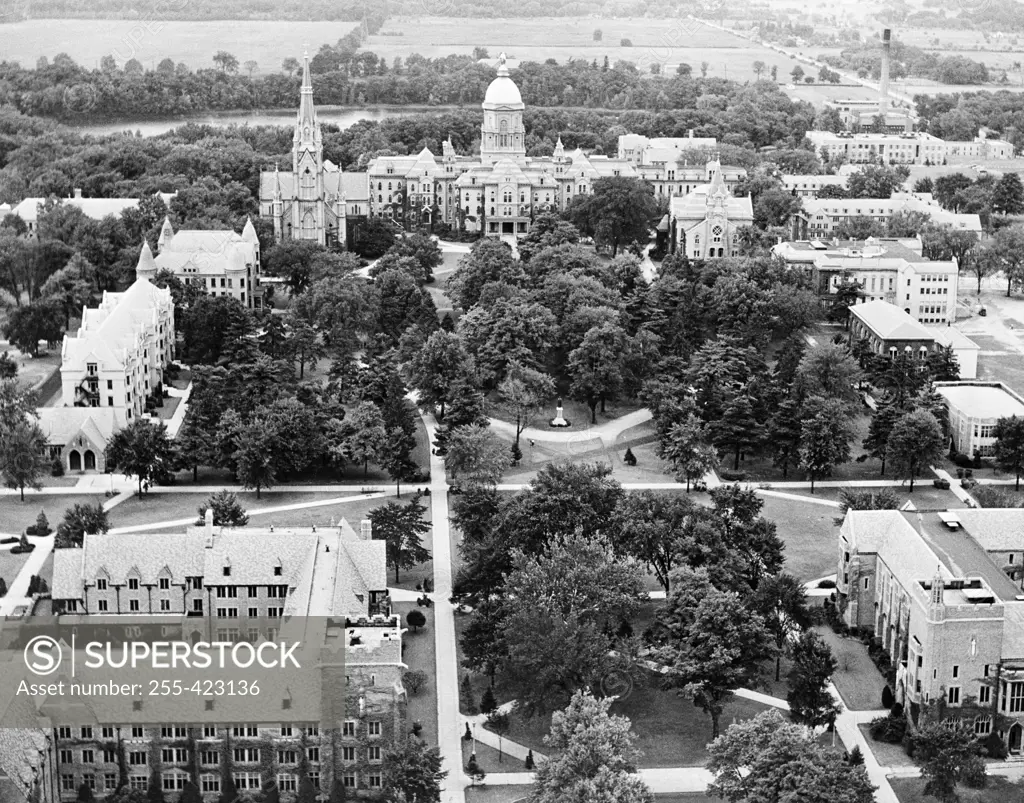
x=307, y=168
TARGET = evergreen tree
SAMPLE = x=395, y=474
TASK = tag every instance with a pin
x=1008, y=195
x=882, y=421
x=487, y=702
x=915, y=442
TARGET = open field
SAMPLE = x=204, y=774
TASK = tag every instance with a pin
x=151, y=40
x=665, y=42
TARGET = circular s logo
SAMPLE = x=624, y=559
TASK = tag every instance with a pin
x=42, y=655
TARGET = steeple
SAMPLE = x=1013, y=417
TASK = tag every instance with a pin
x=559, y=149
x=249, y=232
x=306, y=126
x=166, y=233
x=146, y=269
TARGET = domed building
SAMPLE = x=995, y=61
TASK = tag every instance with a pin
x=498, y=192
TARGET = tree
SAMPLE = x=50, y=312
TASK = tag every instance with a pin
x=598, y=35
x=1009, y=446
x=784, y=429
x=363, y=435
x=141, y=449
x=402, y=528
x=592, y=757
x=414, y=770
x=876, y=181
x=781, y=602
x=759, y=68
x=906, y=223
x=27, y=326
x=23, y=458
x=1004, y=253
x=487, y=702
x=1008, y=195
x=617, y=211
x=943, y=365
x=227, y=62
x=373, y=238
x=438, y=366
x=767, y=758
x=227, y=510
x=303, y=344
x=254, y=455
x=476, y=453
x=78, y=521
x=859, y=227
x=737, y=428
x=829, y=371
x=291, y=66
x=810, y=701
x=596, y=366
x=714, y=646
x=522, y=392
x=915, y=442
x=824, y=437
x=949, y=755
x=852, y=499
x=556, y=633
x=70, y=288
x=798, y=74
x=686, y=445
x=416, y=619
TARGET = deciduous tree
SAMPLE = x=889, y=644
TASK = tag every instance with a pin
x=825, y=437
x=413, y=769
x=1009, y=447
x=23, y=457
x=916, y=440
x=949, y=755
x=616, y=212
x=141, y=449
x=810, y=701
x=78, y=521
x=402, y=528
x=477, y=454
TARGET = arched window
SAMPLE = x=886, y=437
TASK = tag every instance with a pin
x=716, y=234
x=503, y=133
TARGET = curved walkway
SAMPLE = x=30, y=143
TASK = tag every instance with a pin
x=608, y=432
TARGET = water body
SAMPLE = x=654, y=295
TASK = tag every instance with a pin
x=336, y=115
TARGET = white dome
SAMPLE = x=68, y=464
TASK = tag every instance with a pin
x=503, y=91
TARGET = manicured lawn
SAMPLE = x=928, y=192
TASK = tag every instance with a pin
x=998, y=790
x=487, y=759
x=170, y=405
x=496, y=794
x=925, y=496
x=858, y=680
x=419, y=654
x=182, y=380
x=16, y=515
x=156, y=507
x=888, y=755
x=809, y=534
x=10, y=565
x=576, y=413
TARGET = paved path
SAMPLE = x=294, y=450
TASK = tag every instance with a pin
x=17, y=591
x=176, y=419
x=846, y=727
x=956, y=487
x=795, y=497
x=607, y=433
x=449, y=735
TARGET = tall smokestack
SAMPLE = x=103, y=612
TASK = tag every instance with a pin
x=883, y=84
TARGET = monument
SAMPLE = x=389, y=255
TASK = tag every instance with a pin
x=559, y=420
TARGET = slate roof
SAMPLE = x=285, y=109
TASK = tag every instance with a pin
x=61, y=424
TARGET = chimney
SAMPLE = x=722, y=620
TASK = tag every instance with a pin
x=366, y=530
x=78, y=192
x=883, y=84
x=208, y=524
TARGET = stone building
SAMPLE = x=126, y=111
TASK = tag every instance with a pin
x=220, y=261
x=215, y=584
x=821, y=217
x=705, y=223
x=117, y=357
x=497, y=193
x=940, y=592
x=316, y=200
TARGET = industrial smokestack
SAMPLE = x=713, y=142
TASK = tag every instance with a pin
x=883, y=84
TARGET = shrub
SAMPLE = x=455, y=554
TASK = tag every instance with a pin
x=856, y=757
x=517, y=454
x=889, y=729
x=941, y=482
x=994, y=746
x=417, y=728
x=487, y=702
x=629, y=458
x=908, y=744
x=963, y=460
x=529, y=760
x=3, y=587
x=414, y=680
x=57, y=467
x=826, y=583
x=625, y=43
x=416, y=620
x=974, y=775
x=733, y=476
x=887, y=698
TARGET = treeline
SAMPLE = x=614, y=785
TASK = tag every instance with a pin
x=908, y=60
x=960, y=115
x=737, y=114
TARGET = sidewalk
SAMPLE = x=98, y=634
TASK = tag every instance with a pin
x=17, y=592
x=607, y=433
x=174, y=424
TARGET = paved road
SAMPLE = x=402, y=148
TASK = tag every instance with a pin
x=607, y=432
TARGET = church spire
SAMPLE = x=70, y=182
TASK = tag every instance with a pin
x=306, y=126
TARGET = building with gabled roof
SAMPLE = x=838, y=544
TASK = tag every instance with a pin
x=78, y=436
x=822, y=217
x=95, y=208
x=221, y=261
x=335, y=716
x=116, y=358
x=315, y=200
x=705, y=223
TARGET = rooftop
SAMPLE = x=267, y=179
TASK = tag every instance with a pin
x=987, y=400
x=890, y=322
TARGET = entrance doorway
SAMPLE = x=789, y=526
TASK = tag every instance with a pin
x=1015, y=738
x=508, y=227
x=75, y=460
x=90, y=460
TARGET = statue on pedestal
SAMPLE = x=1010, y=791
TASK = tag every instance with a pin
x=559, y=419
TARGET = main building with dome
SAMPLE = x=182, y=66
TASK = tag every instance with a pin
x=496, y=193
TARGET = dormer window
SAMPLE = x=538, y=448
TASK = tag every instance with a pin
x=101, y=583
x=165, y=583
x=133, y=583
x=227, y=571
x=278, y=570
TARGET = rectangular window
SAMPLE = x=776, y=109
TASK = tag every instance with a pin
x=107, y=732
x=286, y=756
x=209, y=732
x=210, y=783
x=348, y=728
x=109, y=755
x=165, y=583
x=348, y=754
x=209, y=758
x=1016, y=698
x=87, y=731
x=373, y=753
x=286, y=730
x=137, y=758
x=67, y=783
x=373, y=728
x=137, y=732
x=956, y=671
x=138, y=782
x=984, y=694
x=133, y=606
x=953, y=695
x=287, y=782
x=348, y=780
x=101, y=583
x=88, y=757
x=133, y=583
x=110, y=781
x=67, y=757
x=313, y=754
